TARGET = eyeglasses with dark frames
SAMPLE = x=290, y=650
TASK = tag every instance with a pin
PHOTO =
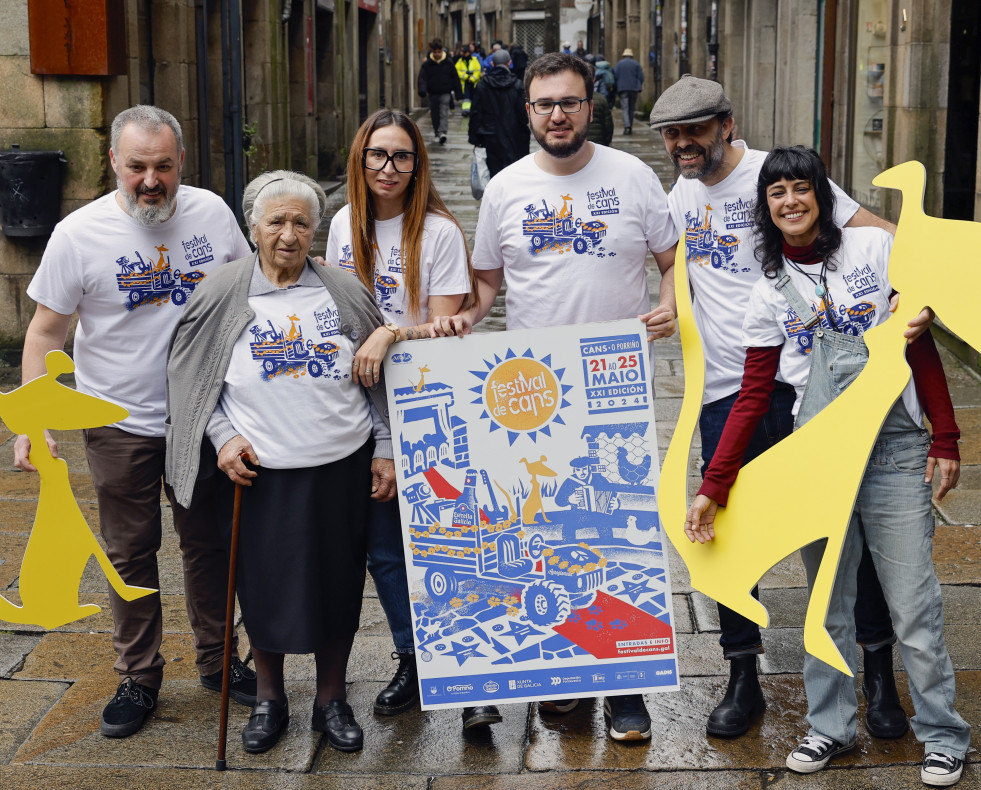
x=546, y=106
x=378, y=158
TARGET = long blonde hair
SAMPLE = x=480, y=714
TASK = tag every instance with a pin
x=420, y=199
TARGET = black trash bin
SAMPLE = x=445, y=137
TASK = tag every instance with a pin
x=30, y=191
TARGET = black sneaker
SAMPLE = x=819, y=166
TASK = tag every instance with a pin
x=941, y=770
x=814, y=752
x=629, y=719
x=242, y=686
x=442, y=139
x=127, y=711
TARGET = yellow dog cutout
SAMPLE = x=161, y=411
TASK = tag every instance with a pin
x=61, y=541
x=771, y=515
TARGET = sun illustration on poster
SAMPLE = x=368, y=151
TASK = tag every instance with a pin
x=521, y=394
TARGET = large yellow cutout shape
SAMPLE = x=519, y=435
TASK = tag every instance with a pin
x=773, y=509
x=61, y=541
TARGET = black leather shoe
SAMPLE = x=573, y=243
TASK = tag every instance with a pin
x=743, y=702
x=884, y=715
x=403, y=691
x=267, y=723
x=336, y=719
x=128, y=710
x=241, y=688
x=481, y=716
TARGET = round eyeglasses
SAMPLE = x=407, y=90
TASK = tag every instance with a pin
x=377, y=158
x=568, y=106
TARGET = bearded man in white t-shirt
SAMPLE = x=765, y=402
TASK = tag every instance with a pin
x=712, y=207
x=570, y=228
x=126, y=264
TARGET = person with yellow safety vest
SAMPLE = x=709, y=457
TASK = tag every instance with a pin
x=468, y=67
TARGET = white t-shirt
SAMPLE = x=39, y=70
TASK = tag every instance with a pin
x=442, y=262
x=716, y=227
x=859, y=290
x=573, y=248
x=129, y=283
x=288, y=388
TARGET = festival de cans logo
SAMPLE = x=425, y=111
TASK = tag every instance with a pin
x=521, y=394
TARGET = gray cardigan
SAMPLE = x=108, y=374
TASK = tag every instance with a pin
x=201, y=349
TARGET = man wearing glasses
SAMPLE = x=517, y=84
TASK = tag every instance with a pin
x=570, y=228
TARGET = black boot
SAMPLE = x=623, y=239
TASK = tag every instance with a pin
x=884, y=716
x=743, y=702
x=403, y=692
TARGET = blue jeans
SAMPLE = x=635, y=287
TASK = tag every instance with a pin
x=893, y=516
x=386, y=564
x=628, y=102
x=740, y=636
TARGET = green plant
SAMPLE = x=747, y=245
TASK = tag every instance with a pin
x=248, y=142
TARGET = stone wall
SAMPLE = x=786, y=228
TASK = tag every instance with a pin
x=915, y=100
x=795, y=95
x=44, y=113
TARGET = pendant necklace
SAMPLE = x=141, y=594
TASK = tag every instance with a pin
x=820, y=280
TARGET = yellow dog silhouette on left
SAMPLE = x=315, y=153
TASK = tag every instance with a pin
x=61, y=541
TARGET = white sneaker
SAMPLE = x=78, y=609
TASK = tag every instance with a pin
x=814, y=752
x=941, y=770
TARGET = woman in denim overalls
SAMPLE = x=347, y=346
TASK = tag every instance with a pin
x=823, y=288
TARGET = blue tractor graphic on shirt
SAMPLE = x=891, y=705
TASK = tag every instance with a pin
x=852, y=320
x=385, y=288
x=556, y=229
x=282, y=351
x=703, y=243
x=147, y=283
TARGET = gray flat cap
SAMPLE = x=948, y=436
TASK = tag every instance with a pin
x=689, y=100
x=501, y=57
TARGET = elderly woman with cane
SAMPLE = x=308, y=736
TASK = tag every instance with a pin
x=259, y=367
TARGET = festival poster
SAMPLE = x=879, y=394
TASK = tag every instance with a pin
x=527, y=468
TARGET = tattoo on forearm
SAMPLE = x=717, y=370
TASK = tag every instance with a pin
x=412, y=334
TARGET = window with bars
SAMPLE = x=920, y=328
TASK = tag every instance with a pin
x=530, y=34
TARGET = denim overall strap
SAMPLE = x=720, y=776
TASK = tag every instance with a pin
x=836, y=358
x=798, y=304
x=836, y=361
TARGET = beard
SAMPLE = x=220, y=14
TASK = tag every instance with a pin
x=564, y=149
x=149, y=215
x=711, y=159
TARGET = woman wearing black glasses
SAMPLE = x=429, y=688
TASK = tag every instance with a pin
x=397, y=236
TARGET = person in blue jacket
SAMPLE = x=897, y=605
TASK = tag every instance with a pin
x=629, y=78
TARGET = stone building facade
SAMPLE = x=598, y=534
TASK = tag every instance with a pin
x=256, y=84
x=260, y=84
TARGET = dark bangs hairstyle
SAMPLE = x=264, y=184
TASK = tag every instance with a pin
x=794, y=162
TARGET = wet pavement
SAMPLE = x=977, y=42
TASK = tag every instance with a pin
x=53, y=685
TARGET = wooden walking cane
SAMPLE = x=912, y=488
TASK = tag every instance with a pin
x=229, y=627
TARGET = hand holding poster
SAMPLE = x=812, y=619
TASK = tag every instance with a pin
x=527, y=484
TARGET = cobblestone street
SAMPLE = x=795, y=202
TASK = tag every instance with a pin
x=53, y=685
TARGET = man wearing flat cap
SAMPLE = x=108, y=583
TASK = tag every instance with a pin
x=712, y=207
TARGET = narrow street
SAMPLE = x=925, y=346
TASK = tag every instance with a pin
x=53, y=685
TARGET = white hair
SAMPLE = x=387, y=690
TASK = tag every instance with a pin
x=278, y=184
